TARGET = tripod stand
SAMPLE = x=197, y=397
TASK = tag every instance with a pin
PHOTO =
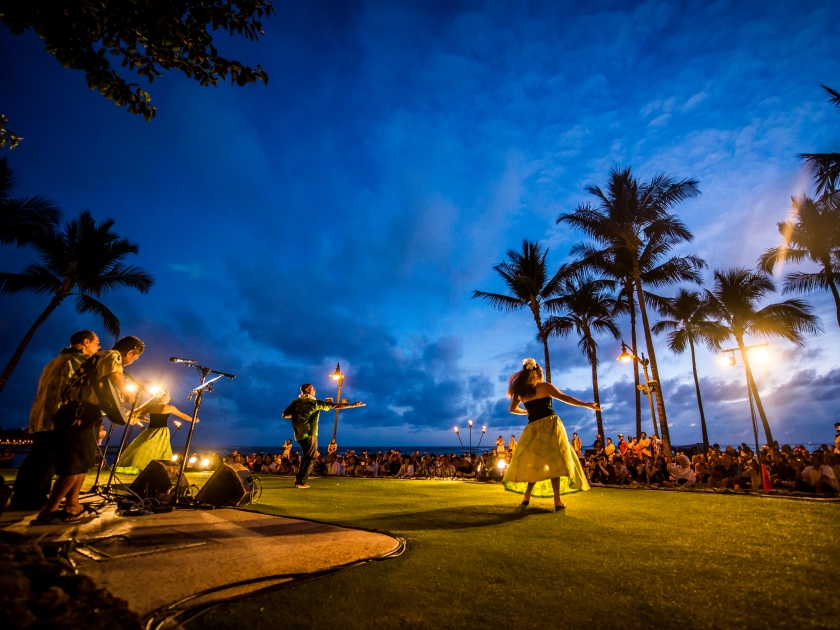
x=198, y=392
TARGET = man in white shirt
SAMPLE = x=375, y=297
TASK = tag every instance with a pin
x=817, y=477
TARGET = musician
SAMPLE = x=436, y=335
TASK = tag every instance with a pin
x=305, y=412
x=32, y=484
x=78, y=421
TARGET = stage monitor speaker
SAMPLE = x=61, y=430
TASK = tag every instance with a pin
x=158, y=481
x=231, y=484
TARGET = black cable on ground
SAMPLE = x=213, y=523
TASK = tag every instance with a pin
x=159, y=618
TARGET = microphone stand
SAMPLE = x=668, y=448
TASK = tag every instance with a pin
x=140, y=390
x=96, y=488
x=198, y=392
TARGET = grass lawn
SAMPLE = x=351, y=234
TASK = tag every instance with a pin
x=613, y=558
x=624, y=559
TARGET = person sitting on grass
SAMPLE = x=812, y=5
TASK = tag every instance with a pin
x=725, y=473
x=681, y=473
x=604, y=471
x=622, y=475
x=426, y=468
x=371, y=467
x=447, y=470
x=465, y=468
x=654, y=472
x=817, y=477
x=406, y=470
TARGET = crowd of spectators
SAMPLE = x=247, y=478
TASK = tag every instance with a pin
x=638, y=462
x=489, y=465
x=641, y=462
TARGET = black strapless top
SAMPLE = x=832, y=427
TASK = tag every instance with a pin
x=158, y=420
x=539, y=408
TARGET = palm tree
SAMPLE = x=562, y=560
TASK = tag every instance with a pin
x=81, y=259
x=526, y=275
x=824, y=167
x=689, y=324
x=734, y=302
x=814, y=234
x=616, y=264
x=21, y=219
x=585, y=306
x=628, y=214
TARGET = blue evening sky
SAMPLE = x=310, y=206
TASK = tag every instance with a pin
x=347, y=210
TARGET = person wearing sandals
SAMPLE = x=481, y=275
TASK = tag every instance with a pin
x=32, y=484
x=544, y=463
x=77, y=425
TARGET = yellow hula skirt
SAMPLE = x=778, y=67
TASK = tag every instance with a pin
x=543, y=453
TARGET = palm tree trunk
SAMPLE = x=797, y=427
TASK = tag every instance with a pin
x=599, y=419
x=547, y=360
x=660, y=402
x=12, y=364
x=631, y=302
x=751, y=384
x=535, y=310
x=699, y=399
x=832, y=285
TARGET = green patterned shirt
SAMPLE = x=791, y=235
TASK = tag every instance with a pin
x=54, y=379
x=305, y=413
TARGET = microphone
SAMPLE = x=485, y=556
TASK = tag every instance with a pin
x=177, y=360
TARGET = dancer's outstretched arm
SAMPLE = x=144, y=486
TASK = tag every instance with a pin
x=177, y=412
x=552, y=391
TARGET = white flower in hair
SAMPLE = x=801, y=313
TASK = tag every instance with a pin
x=529, y=364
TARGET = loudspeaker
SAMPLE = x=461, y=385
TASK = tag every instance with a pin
x=231, y=484
x=158, y=481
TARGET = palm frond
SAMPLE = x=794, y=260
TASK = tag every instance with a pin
x=790, y=320
x=801, y=282
x=34, y=279
x=86, y=304
x=499, y=301
x=665, y=325
x=118, y=276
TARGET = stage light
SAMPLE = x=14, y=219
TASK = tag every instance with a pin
x=154, y=389
x=759, y=356
x=131, y=387
x=174, y=458
x=205, y=462
x=192, y=460
x=726, y=360
x=501, y=465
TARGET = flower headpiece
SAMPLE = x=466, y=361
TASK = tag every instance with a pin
x=529, y=364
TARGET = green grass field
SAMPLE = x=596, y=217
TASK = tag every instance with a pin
x=629, y=559
x=624, y=559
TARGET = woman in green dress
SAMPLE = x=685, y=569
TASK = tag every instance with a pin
x=544, y=463
x=153, y=442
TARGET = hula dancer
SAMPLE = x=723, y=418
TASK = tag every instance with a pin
x=304, y=413
x=544, y=462
x=153, y=442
